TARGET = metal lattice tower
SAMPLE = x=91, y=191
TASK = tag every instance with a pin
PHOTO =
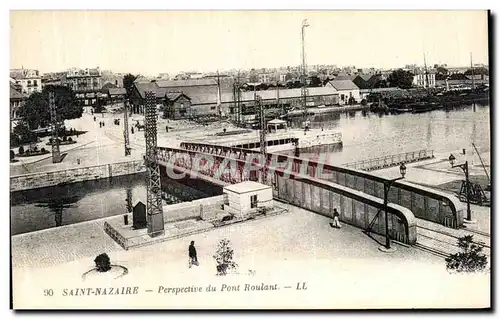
x=304, y=92
x=154, y=205
x=263, y=128
x=263, y=133
x=56, y=153
x=125, y=128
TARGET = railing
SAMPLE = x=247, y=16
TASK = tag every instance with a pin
x=391, y=160
x=426, y=203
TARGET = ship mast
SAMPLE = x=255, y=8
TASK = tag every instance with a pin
x=426, y=81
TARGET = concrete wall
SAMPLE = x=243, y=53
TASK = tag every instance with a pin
x=53, y=178
x=204, y=208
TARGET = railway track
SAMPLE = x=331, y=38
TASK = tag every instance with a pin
x=442, y=244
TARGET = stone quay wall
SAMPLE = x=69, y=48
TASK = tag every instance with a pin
x=74, y=175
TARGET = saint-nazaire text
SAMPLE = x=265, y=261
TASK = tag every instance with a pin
x=100, y=291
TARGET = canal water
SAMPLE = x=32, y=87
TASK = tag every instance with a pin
x=49, y=207
x=365, y=136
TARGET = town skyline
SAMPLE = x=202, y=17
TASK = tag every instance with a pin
x=85, y=39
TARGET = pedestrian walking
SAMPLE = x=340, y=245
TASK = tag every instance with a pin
x=193, y=258
x=166, y=128
x=336, y=221
x=94, y=118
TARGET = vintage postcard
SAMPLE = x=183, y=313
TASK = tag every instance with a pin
x=250, y=159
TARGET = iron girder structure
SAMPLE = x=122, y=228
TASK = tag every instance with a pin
x=154, y=205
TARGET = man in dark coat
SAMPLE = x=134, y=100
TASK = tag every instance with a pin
x=193, y=259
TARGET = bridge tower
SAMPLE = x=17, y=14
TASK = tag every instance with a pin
x=126, y=138
x=154, y=205
x=56, y=153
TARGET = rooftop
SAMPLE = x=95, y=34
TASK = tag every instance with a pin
x=247, y=186
x=184, y=83
x=24, y=74
x=15, y=94
x=341, y=85
x=276, y=121
x=117, y=91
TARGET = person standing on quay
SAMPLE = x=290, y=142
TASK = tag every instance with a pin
x=336, y=221
x=193, y=259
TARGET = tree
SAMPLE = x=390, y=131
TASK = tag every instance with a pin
x=470, y=259
x=315, y=81
x=102, y=263
x=441, y=70
x=401, y=79
x=36, y=113
x=128, y=83
x=477, y=71
x=253, y=77
x=23, y=134
x=224, y=257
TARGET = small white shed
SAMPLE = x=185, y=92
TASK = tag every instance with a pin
x=247, y=197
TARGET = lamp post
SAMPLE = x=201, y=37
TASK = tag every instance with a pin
x=465, y=168
x=387, y=187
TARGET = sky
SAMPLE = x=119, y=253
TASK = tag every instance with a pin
x=152, y=42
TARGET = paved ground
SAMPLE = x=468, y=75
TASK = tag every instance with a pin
x=342, y=268
x=437, y=173
x=105, y=145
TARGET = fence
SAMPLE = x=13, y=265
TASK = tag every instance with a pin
x=391, y=160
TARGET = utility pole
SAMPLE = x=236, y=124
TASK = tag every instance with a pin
x=278, y=96
x=56, y=153
x=304, y=70
x=219, y=102
x=125, y=127
x=472, y=70
x=154, y=205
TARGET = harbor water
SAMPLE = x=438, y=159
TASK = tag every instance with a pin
x=370, y=135
x=365, y=136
